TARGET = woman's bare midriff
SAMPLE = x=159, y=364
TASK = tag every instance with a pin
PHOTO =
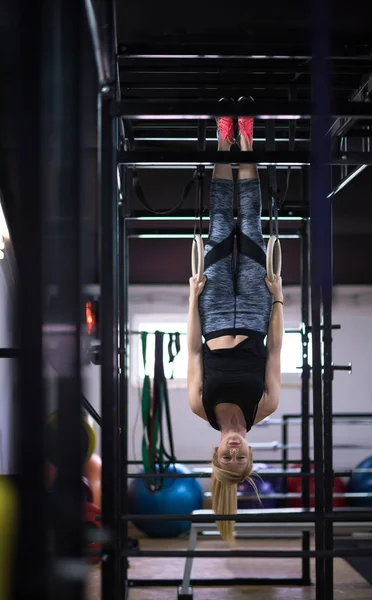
x=225, y=341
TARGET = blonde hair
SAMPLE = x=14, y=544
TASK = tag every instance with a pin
x=225, y=494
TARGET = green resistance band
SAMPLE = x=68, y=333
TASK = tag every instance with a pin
x=151, y=454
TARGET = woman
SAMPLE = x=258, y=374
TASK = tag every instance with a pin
x=234, y=379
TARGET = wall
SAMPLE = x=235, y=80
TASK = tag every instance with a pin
x=194, y=438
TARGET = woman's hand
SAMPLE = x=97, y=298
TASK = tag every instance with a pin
x=275, y=287
x=196, y=287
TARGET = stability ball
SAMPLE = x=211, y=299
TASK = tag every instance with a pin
x=361, y=483
x=264, y=488
x=178, y=496
x=294, y=485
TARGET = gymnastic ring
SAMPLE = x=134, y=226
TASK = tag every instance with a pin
x=273, y=258
x=197, y=258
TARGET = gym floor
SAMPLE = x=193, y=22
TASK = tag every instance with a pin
x=349, y=585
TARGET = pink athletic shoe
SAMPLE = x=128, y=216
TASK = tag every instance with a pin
x=225, y=127
x=245, y=124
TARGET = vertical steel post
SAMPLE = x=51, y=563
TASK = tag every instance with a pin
x=319, y=190
x=327, y=290
x=123, y=372
x=305, y=379
x=107, y=168
x=23, y=50
x=62, y=86
x=284, y=451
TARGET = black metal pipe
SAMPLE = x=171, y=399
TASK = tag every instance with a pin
x=109, y=339
x=319, y=189
x=91, y=410
x=329, y=368
x=208, y=109
x=25, y=48
x=170, y=475
x=356, y=415
x=284, y=449
x=258, y=517
x=62, y=339
x=99, y=23
x=9, y=353
x=228, y=582
x=124, y=371
x=210, y=157
x=305, y=381
x=337, y=552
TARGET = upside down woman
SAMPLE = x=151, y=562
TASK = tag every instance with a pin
x=234, y=378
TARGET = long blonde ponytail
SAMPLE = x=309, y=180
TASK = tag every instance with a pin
x=225, y=494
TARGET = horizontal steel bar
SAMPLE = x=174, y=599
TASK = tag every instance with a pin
x=208, y=109
x=9, y=353
x=132, y=583
x=209, y=166
x=288, y=473
x=189, y=215
x=366, y=415
x=164, y=234
x=223, y=50
x=193, y=158
x=335, y=553
x=256, y=516
x=209, y=140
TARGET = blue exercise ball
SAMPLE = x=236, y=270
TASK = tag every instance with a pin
x=264, y=487
x=276, y=482
x=361, y=483
x=178, y=496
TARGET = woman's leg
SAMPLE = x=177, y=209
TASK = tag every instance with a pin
x=253, y=299
x=217, y=302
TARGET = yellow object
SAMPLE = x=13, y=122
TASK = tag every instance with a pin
x=89, y=443
x=8, y=534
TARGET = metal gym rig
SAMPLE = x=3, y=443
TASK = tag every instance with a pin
x=120, y=119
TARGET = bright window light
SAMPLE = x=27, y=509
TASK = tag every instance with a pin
x=179, y=366
x=291, y=356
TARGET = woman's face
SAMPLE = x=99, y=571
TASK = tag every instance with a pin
x=233, y=453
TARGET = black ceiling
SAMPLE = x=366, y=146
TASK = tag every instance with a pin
x=199, y=51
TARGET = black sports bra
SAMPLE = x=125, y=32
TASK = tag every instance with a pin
x=234, y=376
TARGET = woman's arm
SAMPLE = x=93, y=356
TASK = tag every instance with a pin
x=270, y=401
x=194, y=334
x=195, y=350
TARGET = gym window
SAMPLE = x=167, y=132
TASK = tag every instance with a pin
x=291, y=356
x=176, y=370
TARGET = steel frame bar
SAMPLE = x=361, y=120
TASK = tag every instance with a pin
x=317, y=554
x=111, y=579
x=305, y=380
x=207, y=109
x=257, y=517
x=348, y=178
x=30, y=576
x=192, y=158
x=123, y=374
x=319, y=189
x=189, y=215
x=101, y=28
x=340, y=127
x=256, y=52
x=237, y=581
x=67, y=66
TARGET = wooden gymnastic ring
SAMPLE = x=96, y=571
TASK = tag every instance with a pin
x=273, y=258
x=197, y=257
